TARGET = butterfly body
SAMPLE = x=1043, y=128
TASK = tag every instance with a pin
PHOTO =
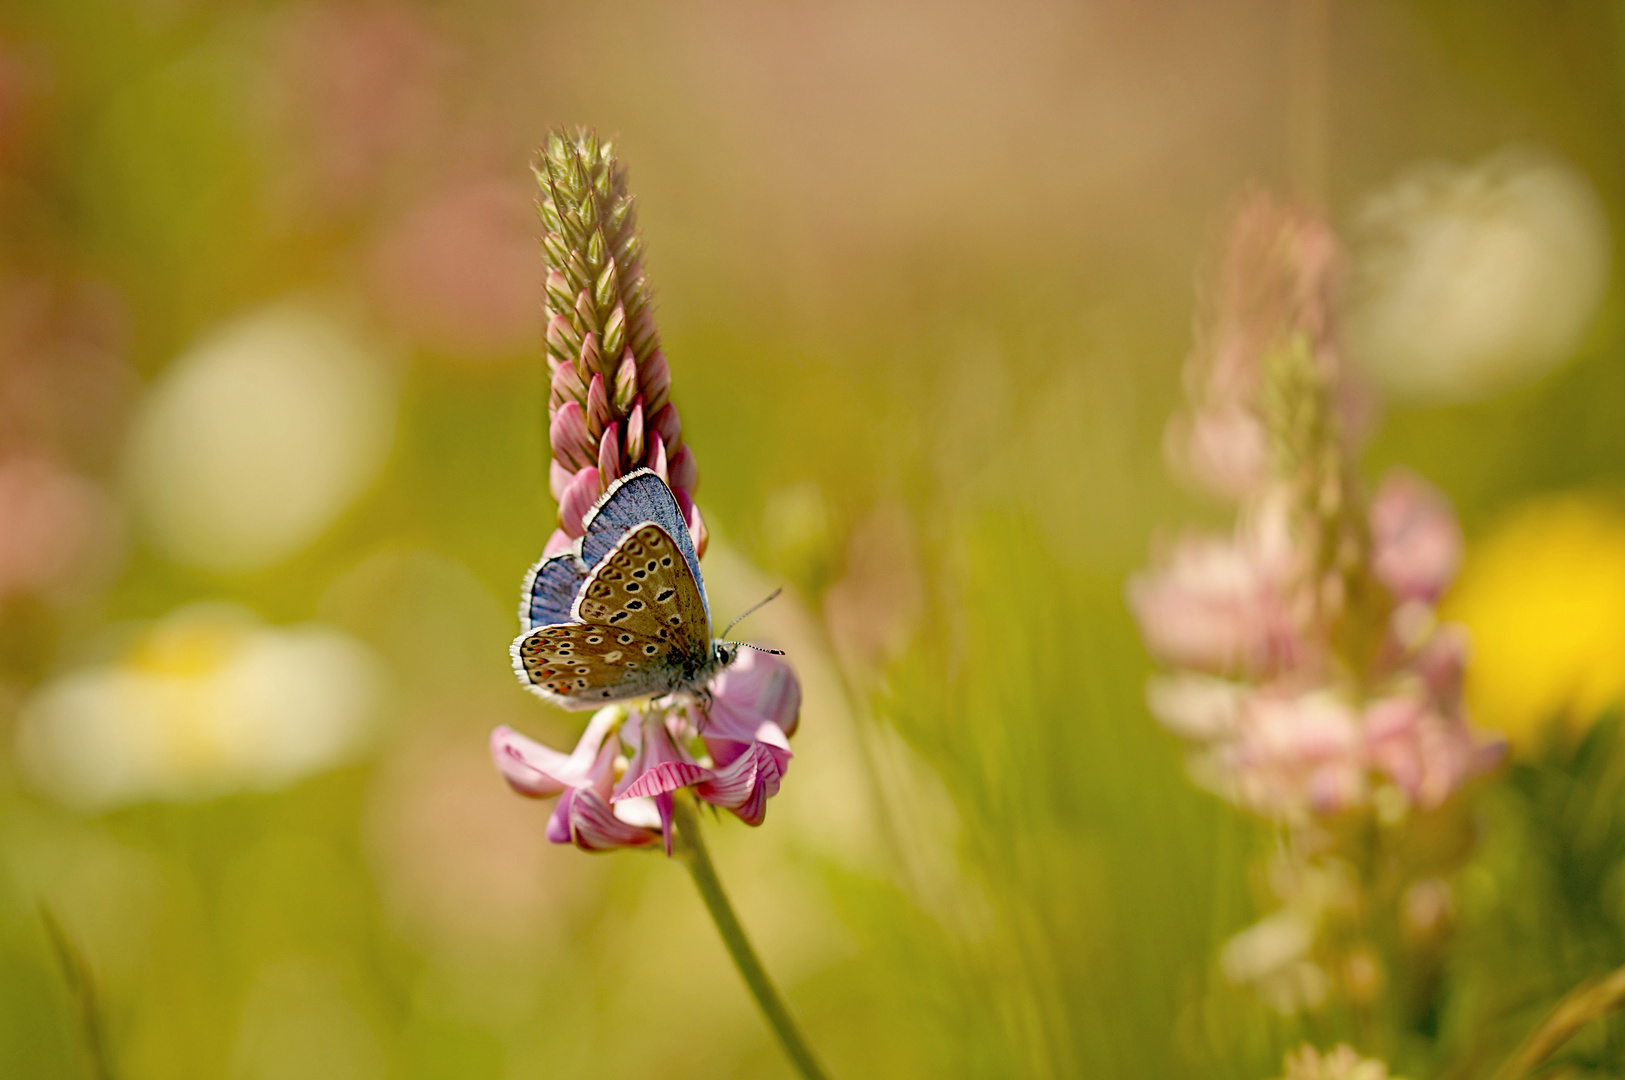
x=624, y=614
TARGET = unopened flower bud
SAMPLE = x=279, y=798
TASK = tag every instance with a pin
x=598, y=414
x=665, y=424
x=562, y=338
x=568, y=434
x=634, y=434
x=657, y=457
x=558, y=478
x=559, y=294
x=615, y=331
x=685, y=471
x=626, y=383
x=567, y=385
x=609, y=454
x=655, y=382
x=586, y=361
x=578, y=499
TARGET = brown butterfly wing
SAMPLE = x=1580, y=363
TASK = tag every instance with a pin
x=581, y=667
x=643, y=586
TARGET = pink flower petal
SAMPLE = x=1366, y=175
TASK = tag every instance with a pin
x=659, y=757
x=665, y=424
x=745, y=786
x=594, y=826
x=634, y=433
x=657, y=457
x=685, y=470
x=609, y=455
x=756, y=699
x=539, y=771
x=665, y=777
x=578, y=499
x=558, y=478
x=598, y=415
x=568, y=435
x=655, y=381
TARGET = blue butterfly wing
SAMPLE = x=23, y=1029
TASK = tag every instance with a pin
x=550, y=590
x=636, y=498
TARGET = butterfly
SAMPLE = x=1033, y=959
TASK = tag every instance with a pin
x=623, y=614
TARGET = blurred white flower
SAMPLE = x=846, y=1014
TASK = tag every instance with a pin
x=1272, y=955
x=253, y=442
x=1472, y=280
x=206, y=701
x=1341, y=1063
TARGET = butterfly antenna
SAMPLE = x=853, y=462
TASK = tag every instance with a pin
x=760, y=603
x=757, y=648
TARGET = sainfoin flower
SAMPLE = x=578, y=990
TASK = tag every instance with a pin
x=611, y=412
x=609, y=406
x=1286, y=715
x=1309, y=673
x=616, y=787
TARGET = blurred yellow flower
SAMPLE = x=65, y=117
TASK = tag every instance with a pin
x=1544, y=597
x=205, y=701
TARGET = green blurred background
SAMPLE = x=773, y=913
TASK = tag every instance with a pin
x=270, y=344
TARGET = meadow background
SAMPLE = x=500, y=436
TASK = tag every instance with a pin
x=272, y=416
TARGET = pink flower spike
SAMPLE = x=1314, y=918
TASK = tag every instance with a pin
x=1415, y=540
x=609, y=455
x=578, y=499
x=568, y=434
x=598, y=415
x=685, y=471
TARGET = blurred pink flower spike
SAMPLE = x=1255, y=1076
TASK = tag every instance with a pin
x=584, y=778
x=1415, y=540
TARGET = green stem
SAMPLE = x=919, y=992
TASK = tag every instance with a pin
x=694, y=855
x=82, y=986
x=1579, y=1007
